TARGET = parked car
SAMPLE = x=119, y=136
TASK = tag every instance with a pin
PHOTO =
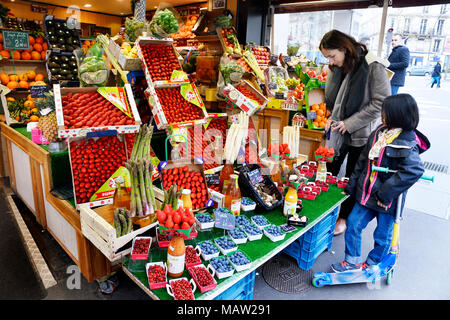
x=419, y=71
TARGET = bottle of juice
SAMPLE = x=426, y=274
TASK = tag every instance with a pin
x=233, y=195
x=175, y=257
x=321, y=174
x=290, y=202
x=186, y=198
x=227, y=170
x=121, y=196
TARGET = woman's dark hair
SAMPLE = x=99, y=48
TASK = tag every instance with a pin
x=336, y=39
x=400, y=111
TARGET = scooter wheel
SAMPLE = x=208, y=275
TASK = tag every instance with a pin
x=318, y=282
x=389, y=276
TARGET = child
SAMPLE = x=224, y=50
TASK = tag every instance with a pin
x=395, y=144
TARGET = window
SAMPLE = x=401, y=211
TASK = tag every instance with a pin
x=425, y=9
x=443, y=9
x=423, y=26
x=407, y=24
x=440, y=27
x=437, y=42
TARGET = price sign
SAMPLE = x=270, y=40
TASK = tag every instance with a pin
x=212, y=179
x=16, y=40
x=224, y=219
x=38, y=91
x=311, y=115
x=255, y=177
x=279, y=95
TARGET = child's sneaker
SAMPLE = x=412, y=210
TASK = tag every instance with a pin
x=345, y=266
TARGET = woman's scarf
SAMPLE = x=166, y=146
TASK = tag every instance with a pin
x=385, y=137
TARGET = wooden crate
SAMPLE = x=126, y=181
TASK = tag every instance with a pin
x=97, y=226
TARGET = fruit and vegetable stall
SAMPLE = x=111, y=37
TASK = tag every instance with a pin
x=153, y=150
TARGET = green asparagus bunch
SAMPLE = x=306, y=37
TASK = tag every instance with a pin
x=122, y=222
x=140, y=166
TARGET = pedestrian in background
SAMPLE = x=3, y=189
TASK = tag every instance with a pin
x=436, y=75
x=355, y=90
x=399, y=61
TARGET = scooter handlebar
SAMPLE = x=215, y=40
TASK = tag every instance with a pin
x=386, y=170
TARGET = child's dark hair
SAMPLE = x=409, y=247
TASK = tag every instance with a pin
x=400, y=111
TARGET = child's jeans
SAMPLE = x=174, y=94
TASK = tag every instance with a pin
x=358, y=219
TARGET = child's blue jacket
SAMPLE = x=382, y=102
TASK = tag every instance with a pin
x=401, y=155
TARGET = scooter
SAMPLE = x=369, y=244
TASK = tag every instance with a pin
x=374, y=272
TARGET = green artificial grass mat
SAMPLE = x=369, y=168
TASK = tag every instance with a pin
x=261, y=250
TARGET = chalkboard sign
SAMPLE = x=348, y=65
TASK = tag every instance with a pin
x=255, y=177
x=16, y=40
x=224, y=219
x=279, y=95
x=38, y=91
x=212, y=179
x=311, y=115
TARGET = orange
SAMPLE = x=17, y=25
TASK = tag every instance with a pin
x=26, y=55
x=37, y=47
x=13, y=77
x=31, y=74
x=322, y=124
x=23, y=84
x=34, y=118
x=35, y=55
x=314, y=107
x=87, y=43
x=319, y=118
x=316, y=123
x=30, y=98
x=320, y=112
x=4, y=78
x=43, y=55
x=40, y=40
x=1, y=46
x=28, y=104
x=1, y=37
x=32, y=41
x=12, y=85
x=32, y=83
x=45, y=46
x=39, y=77
x=10, y=99
x=16, y=55
x=23, y=77
x=5, y=54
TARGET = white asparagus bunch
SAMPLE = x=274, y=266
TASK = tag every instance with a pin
x=291, y=137
x=236, y=137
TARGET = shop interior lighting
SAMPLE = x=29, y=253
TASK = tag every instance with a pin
x=88, y=5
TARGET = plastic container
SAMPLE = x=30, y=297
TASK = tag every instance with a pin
x=238, y=240
x=158, y=285
x=260, y=226
x=241, y=290
x=223, y=250
x=242, y=267
x=169, y=287
x=204, y=225
x=205, y=256
x=143, y=256
x=206, y=288
x=248, y=207
x=222, y=275
x=197, y=261
x=272, y=237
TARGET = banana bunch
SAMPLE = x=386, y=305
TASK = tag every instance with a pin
x=122, y=222
x=292, y=83
x=128, y=51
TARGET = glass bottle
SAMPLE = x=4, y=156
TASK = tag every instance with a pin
x=186, y=198
x=233, y=195
x=121, y=196
x=321, y=174
x=175, y=257
x=227, y=170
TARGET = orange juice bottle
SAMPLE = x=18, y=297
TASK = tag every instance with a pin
x=290, y=202
x=233, y=195
x=186, y=198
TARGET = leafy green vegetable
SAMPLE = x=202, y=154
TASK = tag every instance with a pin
x=133, y=28
x=163, y=23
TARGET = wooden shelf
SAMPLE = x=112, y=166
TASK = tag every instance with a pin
x=7, y=61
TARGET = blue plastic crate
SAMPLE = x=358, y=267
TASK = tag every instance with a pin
x=330, y=219
x=241, y=290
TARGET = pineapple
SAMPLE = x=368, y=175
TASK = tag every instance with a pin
x=47, y=121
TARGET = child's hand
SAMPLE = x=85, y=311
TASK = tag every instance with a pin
x=382, y=205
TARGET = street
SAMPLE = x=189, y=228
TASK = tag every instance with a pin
x=434, y=106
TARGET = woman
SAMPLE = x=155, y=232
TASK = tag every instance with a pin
x=355, y=90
